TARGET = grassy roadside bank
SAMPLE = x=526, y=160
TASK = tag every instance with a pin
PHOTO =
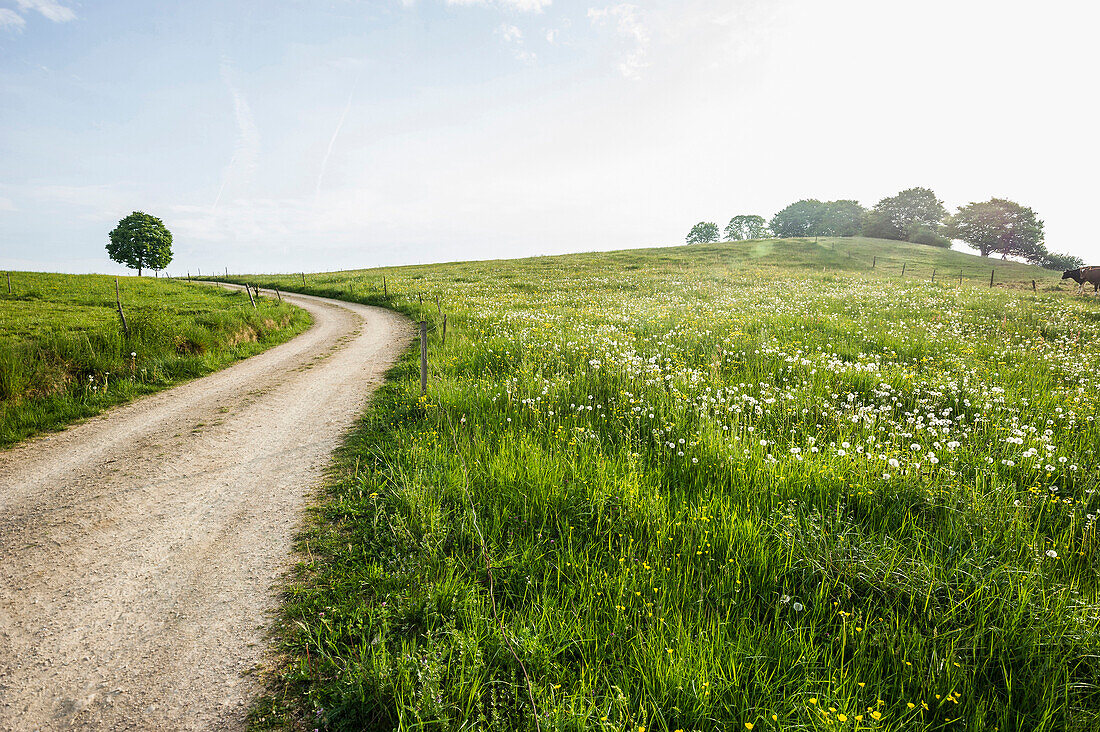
x=699, y=489
x=64, y=355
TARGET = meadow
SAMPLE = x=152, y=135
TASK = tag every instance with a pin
x=64, y=354
x=756, y=485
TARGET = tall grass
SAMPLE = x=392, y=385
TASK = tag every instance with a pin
x=686, y=490
x=64, y=355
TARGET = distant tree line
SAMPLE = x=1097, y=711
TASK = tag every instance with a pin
x=914, y=215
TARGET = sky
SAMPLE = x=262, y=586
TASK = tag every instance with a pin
x=310, y=136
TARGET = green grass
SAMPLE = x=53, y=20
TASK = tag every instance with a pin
x=64, y=355
x=709, y=487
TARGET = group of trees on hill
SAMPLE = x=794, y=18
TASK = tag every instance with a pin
x=915, y=215
x=811, y=217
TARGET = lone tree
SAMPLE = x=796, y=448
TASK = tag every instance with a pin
x=1000, y=225
x=745, y=227
x=703, y=232
x=141, y=241
x=900, y=217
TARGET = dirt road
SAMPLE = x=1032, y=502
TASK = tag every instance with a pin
x=139, y=548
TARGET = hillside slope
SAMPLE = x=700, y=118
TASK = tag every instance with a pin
x=710, y=487
x=872, y=258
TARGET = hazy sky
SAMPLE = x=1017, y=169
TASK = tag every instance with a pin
x=281, y=136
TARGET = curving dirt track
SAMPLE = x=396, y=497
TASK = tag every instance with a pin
x=138, y=550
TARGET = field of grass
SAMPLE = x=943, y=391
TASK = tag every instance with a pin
x=711, y=488
x=64, y=355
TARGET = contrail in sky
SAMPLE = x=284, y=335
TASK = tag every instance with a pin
x=328, y=152
x=225, y=179
x=246, y=149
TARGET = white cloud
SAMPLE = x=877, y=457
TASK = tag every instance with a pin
x=629, y=25
x=50, y=9
x=6, y=204
x=551, y=36
x=513, y=36
x=11, y=20
x=100, y=203
x=523, y=6
x=510, y=33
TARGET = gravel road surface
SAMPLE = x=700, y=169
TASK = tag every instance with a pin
x=139, y=550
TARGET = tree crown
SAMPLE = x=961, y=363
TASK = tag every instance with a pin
x=1000, y=225
x=810, y=217
x=703, y=232
x=745, y=227
x=901, y=216
x=140, y=241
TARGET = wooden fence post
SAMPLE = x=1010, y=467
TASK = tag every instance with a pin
x=227, y=271
x=423, y=357
x=385, y=290
x=121, y=315
x=249, y=291
x=992, y=272
x=903, y=269
x=9, y=283
x=444, y=330
x=1033, y=289
x=303, y=278
x=278, y=294
x=874, y=261
x=933, y=275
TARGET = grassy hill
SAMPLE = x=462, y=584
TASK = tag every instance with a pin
x=65, y=356
x=871, y=258
x=751, y=485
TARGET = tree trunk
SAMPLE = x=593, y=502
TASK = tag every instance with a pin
x=139, y=271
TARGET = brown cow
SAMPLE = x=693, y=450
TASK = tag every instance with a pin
x=1083, y=275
